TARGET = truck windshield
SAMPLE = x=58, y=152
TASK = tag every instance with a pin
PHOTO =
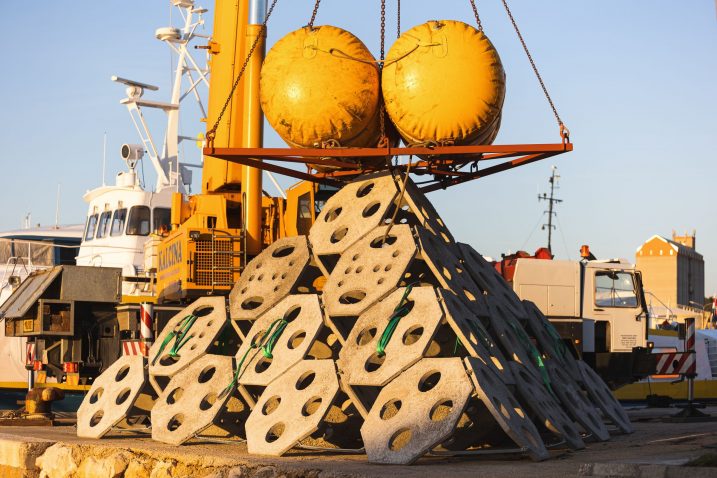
x=615, y=289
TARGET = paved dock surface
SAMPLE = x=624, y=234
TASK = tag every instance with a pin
x=655, y=449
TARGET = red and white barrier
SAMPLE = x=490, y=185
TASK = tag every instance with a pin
x=135, y=347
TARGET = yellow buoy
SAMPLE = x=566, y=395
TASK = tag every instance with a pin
x=443, y=83
x=321, y=85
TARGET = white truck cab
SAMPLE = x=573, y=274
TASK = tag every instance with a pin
x=598, y=306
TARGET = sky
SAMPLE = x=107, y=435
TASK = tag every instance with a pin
x=634, y=82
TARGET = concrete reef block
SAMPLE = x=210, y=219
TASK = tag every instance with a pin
x=111, y=397
x=416, y=411
x=292, y=407
x=269, y=277
x=603, y=398
x=191, y=402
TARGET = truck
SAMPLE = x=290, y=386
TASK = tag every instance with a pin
x=597, y=306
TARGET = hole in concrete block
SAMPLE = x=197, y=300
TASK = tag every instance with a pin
x=364, y=190
x=371, y=209
x=175, y=422
x=208, y=401
x=447, y=273
x=271, y=405
x=332, y=214
x=96, y=395
x=207, y=374
x=275, y=432
x=338, y=235
x=296, y=339
x=468, y=295
x=366, y=336
x=400, y=439
x=379, y=242
x=252, y=303
x=352, y=297
x=390, y=409
x=374, y=362
x=97, y=418
x=305, y=380
x=311, y=406
x=441, y=410
x=429, y=381
x=123, y=396
x=263, y=364
x=412, y=335
x=283, y=251
x=176, y=394
x=203, y=310
x=122, y=373
x=292, y=313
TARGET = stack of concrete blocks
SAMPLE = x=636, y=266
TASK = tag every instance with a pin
x=467, y=367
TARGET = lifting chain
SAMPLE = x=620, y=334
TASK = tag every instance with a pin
x=383, y=139
x=212, y=133
x=475, y=12
x=564, y=132
x=398, y=19
x=313, y=14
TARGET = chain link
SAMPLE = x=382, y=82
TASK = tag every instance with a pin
x=398, y=19
x=211, y=134
x=563, y=128
x=475, y=12
x=313, y=14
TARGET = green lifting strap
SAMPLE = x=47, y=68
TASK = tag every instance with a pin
x=534, y=352
x=179, y=334
x=559, y=344
x=399, y=312
x=266, y=344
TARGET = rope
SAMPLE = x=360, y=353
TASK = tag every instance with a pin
x=563, y=128
x=400, y=199
x=211, y=134
x=179, y=335
x=266, y=344
x=399, y=312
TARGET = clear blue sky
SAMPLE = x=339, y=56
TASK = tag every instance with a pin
x=634, y=81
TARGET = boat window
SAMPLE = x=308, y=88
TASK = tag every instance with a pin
x=90, y=229
x=103, y=226
x=615, y=289
x=118, y=222
x=138, y=222
x=161, y=221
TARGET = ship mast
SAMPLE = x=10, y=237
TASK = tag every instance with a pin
x=552, y=201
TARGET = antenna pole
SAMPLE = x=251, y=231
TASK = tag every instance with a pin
x=552, y=201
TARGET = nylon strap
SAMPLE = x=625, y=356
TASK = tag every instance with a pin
x=399, y=312
x=179, y=334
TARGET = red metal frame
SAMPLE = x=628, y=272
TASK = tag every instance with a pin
x=447, y=164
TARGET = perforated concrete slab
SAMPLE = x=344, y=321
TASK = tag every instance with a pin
x=190, y=402
x=472, y=334
x=548, y=339
x=112, y=395
x=603, y=398
x=574, y=401
x=211, y=318
x=305, y=320
x=416, y=411
x=368, y=271
x=349, y=215
x=359, y=362
x=446, y=267
x=535, y=396
x=292, y=407
x=509, y=332
x=269, y=277
x=424, y=212
x=505, y=409
x=488, y=279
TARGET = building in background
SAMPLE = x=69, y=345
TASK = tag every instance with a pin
x=673, y=274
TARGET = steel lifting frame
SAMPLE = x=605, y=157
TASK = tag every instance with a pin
x=444, y=163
